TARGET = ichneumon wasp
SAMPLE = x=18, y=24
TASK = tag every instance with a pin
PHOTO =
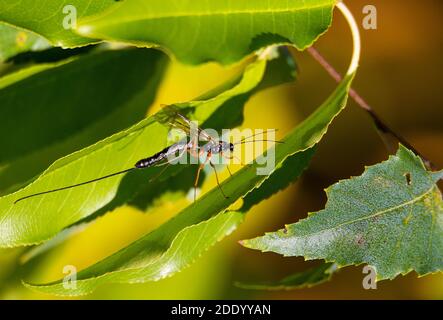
x=172, y=117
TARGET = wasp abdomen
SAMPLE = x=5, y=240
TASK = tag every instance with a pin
x=148, y=162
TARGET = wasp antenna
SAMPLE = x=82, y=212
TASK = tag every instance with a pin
x=275, y=141
x=258, y=133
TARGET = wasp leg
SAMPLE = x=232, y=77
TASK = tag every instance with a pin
x=234, y=157
x=229, y=170
x=227, y=166
x=208, y=159
x=166, y=164
x=218, y=182
x=193, y=151
x=160, y=173
x=200, y=167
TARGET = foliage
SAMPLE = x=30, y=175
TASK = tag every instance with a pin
x=75, y=114
x=14, y=41
x=77, y=89
x=194, y=31
x=299, y=280
x=157, y=254
x=360, y=224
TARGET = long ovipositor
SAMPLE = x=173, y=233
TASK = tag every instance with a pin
x=144, y=163
x=212, y=147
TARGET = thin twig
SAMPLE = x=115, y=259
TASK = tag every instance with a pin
x=382, y=127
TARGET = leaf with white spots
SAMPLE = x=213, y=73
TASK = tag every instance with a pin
x=391, y=218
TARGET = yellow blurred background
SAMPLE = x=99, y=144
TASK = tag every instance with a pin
x=399, y=76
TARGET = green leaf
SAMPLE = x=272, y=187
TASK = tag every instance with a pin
x=194, y=31
x=391, y=218
x=72, y=99
x=220, y=30
x=191, y=240
x=37, y=219
x=14, y=41
x=299, y=280
x=278, y=71
x=48, y=20
x=49, y=55
x=157, y=255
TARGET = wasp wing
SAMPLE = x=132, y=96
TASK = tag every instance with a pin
x=172, y=116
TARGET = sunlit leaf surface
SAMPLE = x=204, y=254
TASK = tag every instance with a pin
x=37, y=219
x=72, y=99
x=160, y=254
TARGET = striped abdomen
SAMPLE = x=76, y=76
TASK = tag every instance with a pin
x=159, y=156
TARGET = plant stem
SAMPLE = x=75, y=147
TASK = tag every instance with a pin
x=381, y=126
x=383, y=129
x=356, y=38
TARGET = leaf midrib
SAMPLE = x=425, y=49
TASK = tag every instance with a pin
x=379, y=213
x=216, y=13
